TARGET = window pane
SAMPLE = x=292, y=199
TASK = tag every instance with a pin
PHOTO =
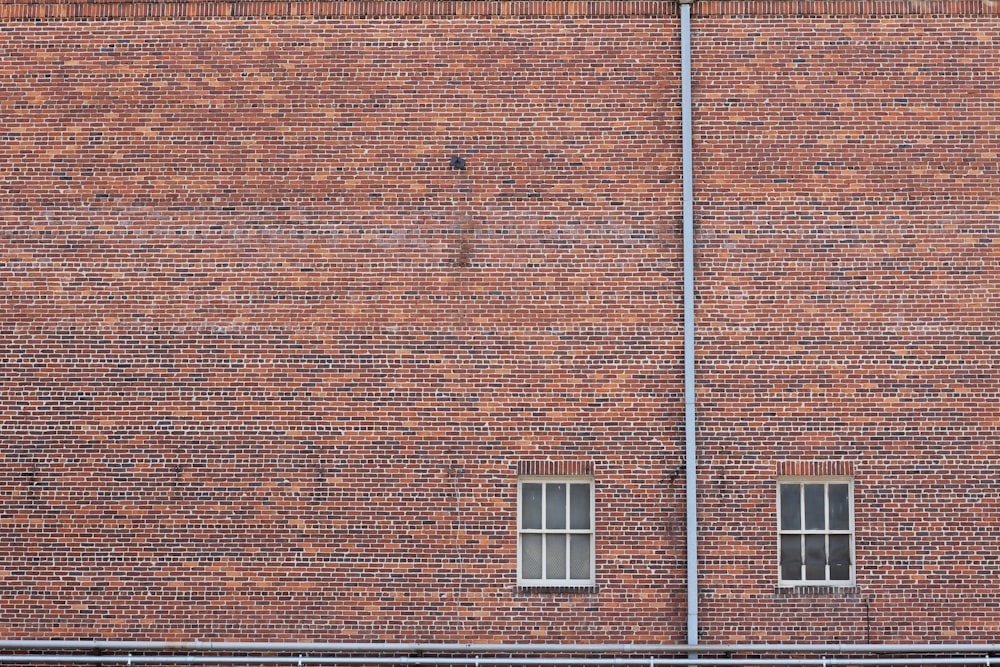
x=555, y=506
x=531, y=506
x=579, y=557
x=531, y=556
x=840, y=515
x=555, y=556
x=840, y=557
x=579, y=506
x=815, y=508
x=815, y=557
x=791, y=557
x=791, y=518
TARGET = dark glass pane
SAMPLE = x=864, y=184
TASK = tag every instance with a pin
x=531, y=506
x=791, y=517
x=555, y=556
x=815, y=507
x=579, y=557
x=791, y=557
x=840, y=511
x=579, y=506
x=815, y=557
x=531, y=556
x=555, y=506
x=840, y=557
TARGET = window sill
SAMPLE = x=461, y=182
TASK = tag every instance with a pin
x=556, y=590
x=789, y=590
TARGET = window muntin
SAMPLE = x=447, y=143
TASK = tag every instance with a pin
x=555, y=531
x=816, y=532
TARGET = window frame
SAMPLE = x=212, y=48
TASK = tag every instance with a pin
x=567, y=531
x=802, y=531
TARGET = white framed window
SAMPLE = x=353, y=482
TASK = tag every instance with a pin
x=555, y=536
x=816, y=531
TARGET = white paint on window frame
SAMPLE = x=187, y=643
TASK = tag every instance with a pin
x=826, y=532
x=544, y=531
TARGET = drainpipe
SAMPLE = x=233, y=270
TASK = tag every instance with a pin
x=690, y=442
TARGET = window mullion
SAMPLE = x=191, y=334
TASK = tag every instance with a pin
x=543, y=557
x=544, y=506
x=826, y=531
x=802, y=535
x=569, y=555
x=545, y=534
x=802, y=554
x=826, y=556
x=826, y=506
x=566, y=523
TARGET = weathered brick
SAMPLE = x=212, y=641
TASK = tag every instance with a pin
x=271, y=367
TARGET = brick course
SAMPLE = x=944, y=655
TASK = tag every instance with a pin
x=272, y=367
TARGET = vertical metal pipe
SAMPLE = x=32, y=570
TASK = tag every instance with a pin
x=690, y=442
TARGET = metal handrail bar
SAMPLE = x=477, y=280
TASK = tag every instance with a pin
x=443, y=647
x=478, y=660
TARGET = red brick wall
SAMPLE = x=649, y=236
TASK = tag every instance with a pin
x=849, y=277
x=271, y=368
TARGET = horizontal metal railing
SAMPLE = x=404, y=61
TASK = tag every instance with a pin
x=110, y=652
